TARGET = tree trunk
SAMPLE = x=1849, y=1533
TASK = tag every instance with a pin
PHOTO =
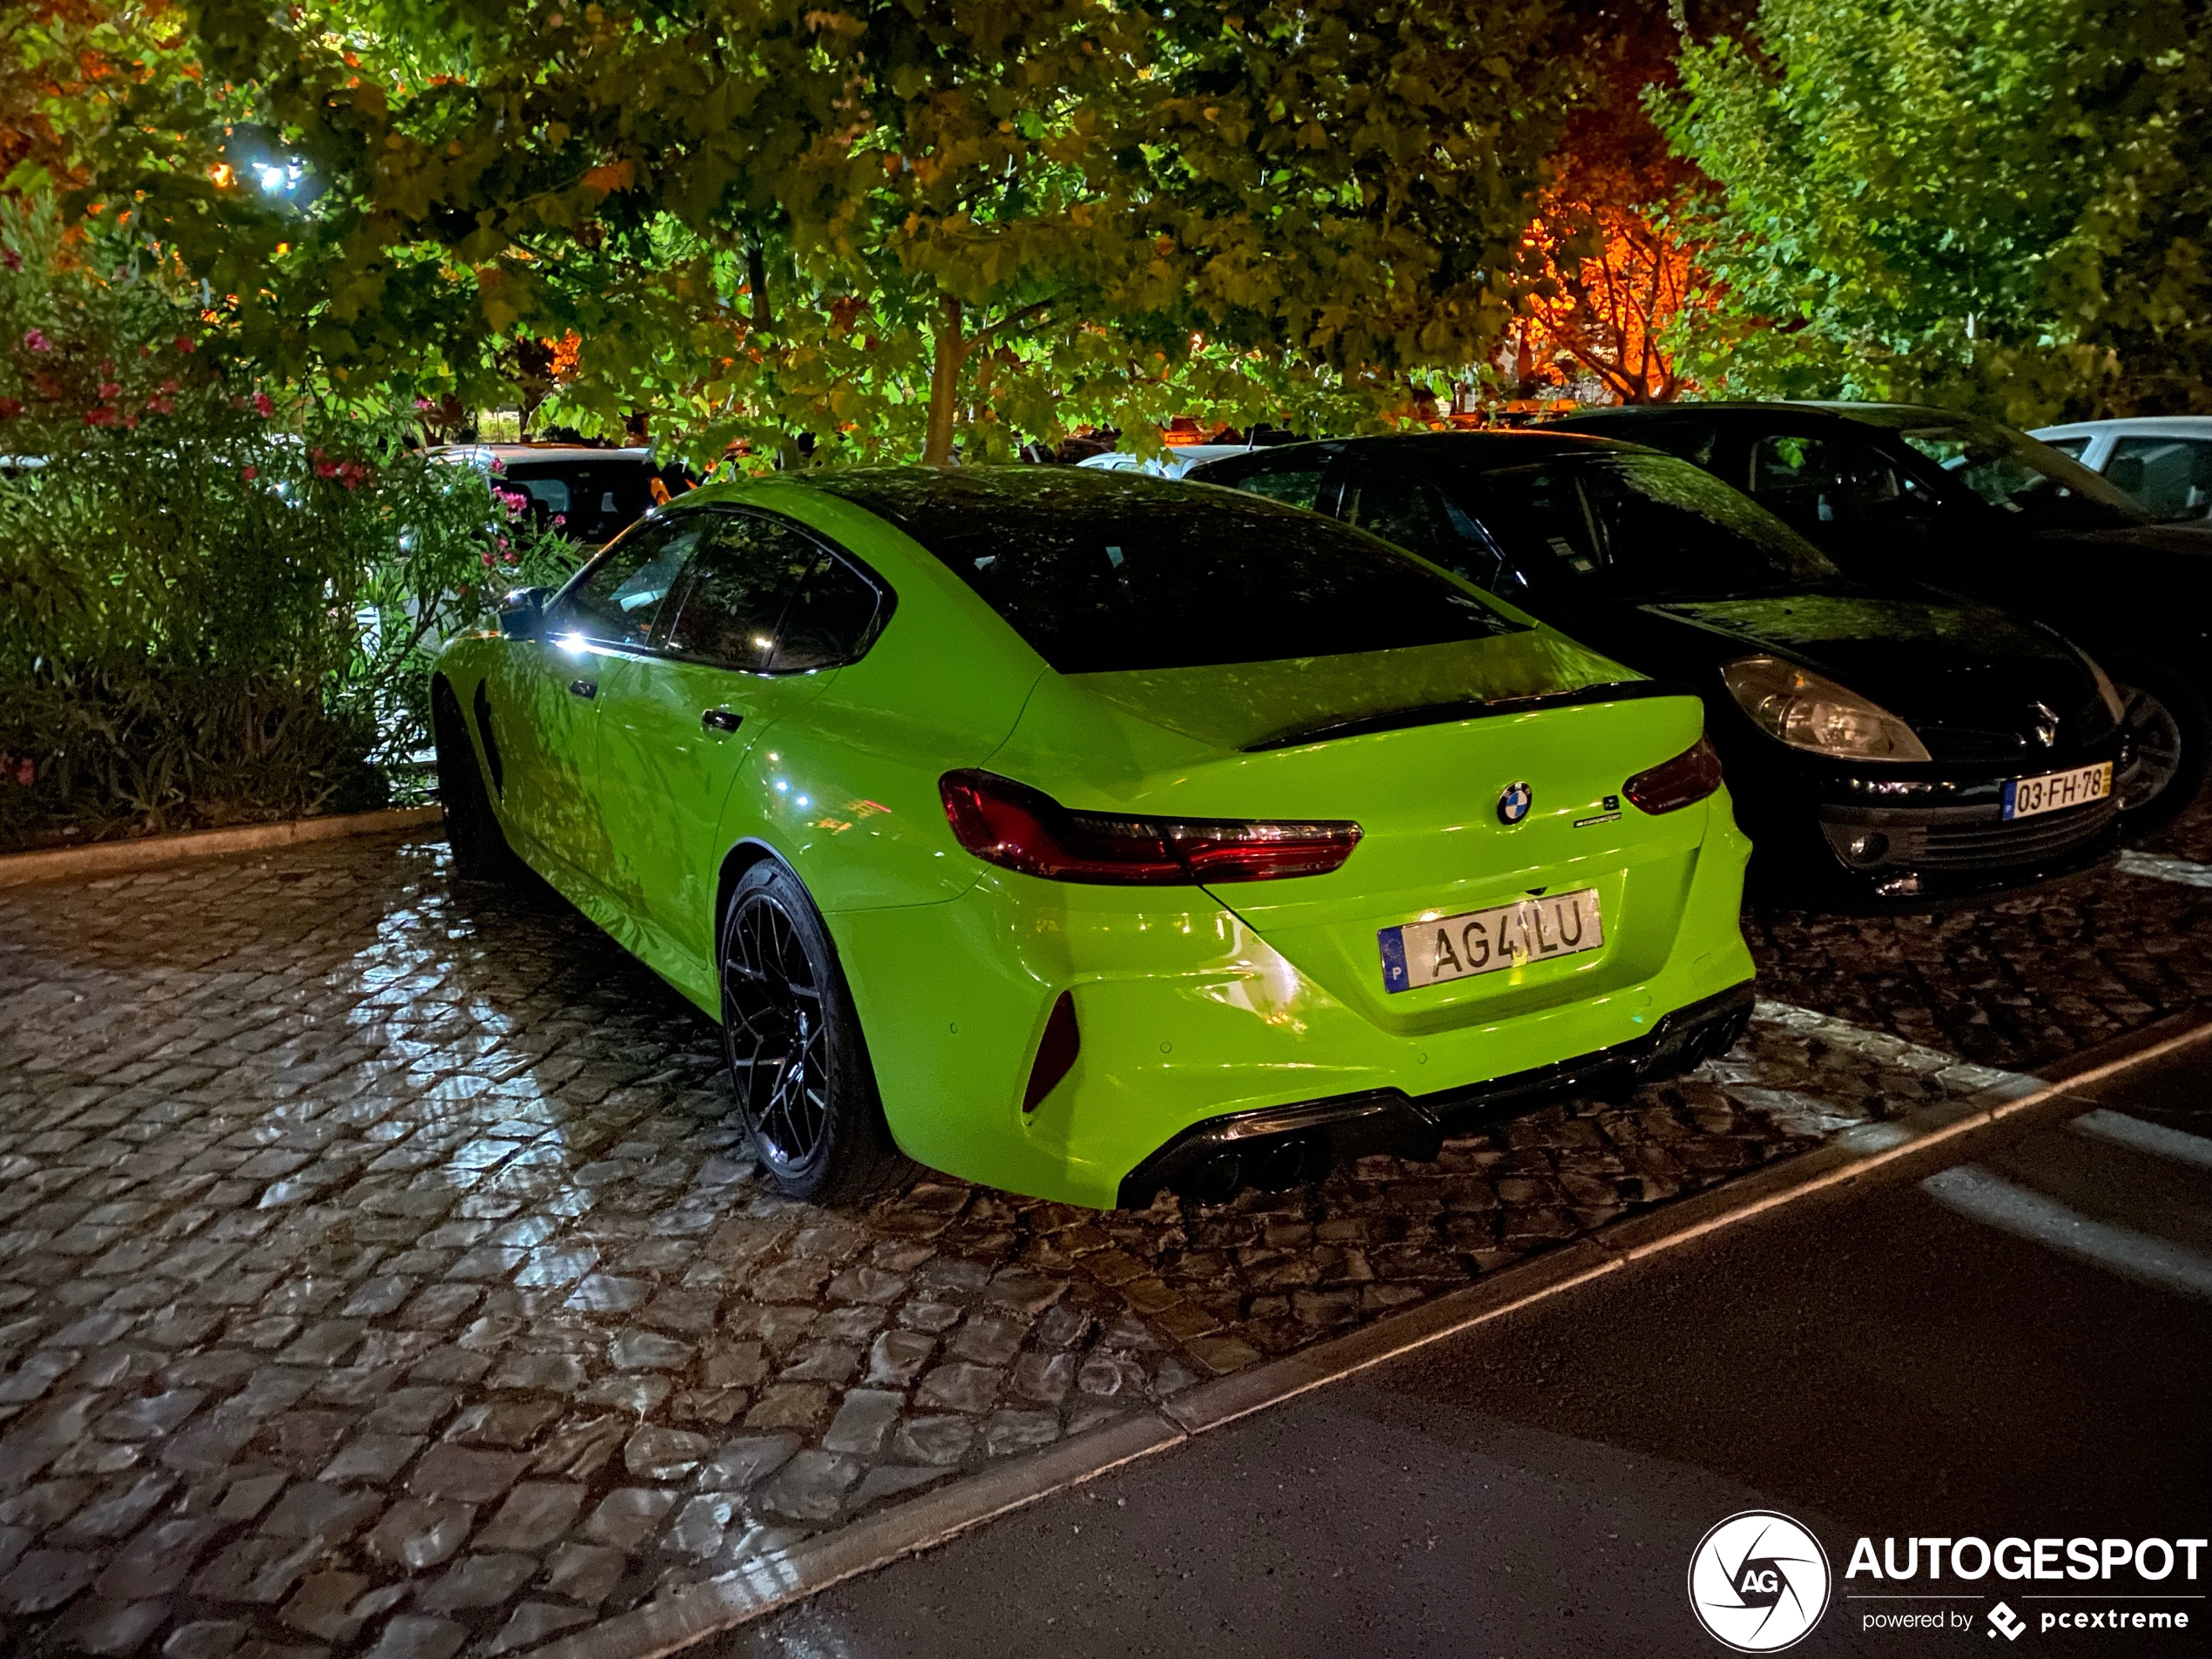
x=944, y=388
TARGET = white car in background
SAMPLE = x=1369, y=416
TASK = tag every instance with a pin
x=1173, y=464
x=2164, y=462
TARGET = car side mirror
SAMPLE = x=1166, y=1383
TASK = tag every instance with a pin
x=522, y=613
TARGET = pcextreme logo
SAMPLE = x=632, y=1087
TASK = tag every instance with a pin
x=1759, y=1581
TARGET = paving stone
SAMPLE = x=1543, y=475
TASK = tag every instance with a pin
x=1013, y=1430
x=502, y=1423
x=414, y=1636
x=863, y=1420
x=960, y=1386
x=627, y=1515
x=665, y=1453
x=476, y=1580
x=418, y=1533
x=586, y=1573
x=800, y=1405
x=535, y=1514
x=464, y=1474
x=743, y=1462
x=533, y=1623
x=899, y=1356
x=811, y=1487
x=375, y=1458
x=310, y=1509
x=932, y=1440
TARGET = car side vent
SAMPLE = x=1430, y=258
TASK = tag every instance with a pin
x=492, y=745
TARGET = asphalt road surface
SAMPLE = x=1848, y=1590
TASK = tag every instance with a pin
x=2011, y=1337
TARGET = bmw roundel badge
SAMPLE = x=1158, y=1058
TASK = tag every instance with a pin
x=1514, y=802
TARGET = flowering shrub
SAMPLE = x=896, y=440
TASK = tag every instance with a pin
x=217, y=599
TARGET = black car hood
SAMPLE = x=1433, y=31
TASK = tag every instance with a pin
x=1973, y=682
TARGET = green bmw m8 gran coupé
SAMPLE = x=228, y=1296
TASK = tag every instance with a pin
x=1088, y=834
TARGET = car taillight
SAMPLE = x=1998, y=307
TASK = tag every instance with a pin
x=1019, y=828
x=1671, y=785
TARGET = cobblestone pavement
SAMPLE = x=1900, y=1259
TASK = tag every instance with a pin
x=382, y=1270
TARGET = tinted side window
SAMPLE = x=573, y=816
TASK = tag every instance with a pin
x=2171, y=476
x=1819, y=481
x=734, y=594
x=830, y=622
x=1295, y=480
x=1638, y=527
x=1419, y=518
x=620, y=598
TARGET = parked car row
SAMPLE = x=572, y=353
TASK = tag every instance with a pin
x=1090, y=833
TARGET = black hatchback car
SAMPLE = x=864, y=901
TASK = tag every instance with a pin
x=1891, y=491
x=1886, y=746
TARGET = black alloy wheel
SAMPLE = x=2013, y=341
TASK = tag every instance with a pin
x=479, y=848
x=797, y=1058
x=2165, y=731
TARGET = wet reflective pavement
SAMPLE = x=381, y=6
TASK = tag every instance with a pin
x=383, y=1270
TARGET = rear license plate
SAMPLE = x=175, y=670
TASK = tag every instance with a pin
x=2053, y=790
x=1482, y=941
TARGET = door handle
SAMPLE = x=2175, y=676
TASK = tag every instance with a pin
x=721, y=721
x=584, y=688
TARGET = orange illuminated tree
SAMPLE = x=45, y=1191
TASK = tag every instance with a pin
x=1614, y=282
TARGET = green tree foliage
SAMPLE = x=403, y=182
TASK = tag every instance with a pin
x=2001, y=203
x=875, y=222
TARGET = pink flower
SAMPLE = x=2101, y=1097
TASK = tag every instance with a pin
x=498, y=467
x=181, y=343
x=249, y=473
x=161, y=405
x=559, y=519
x=99, y=414
x=26, y=773
x=325, y=468
x=262, y=404
x=424, y=403
x=37, y=340
x=110, y=388
x=488, y=561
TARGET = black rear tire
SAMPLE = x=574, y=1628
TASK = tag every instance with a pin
x=796, y=1058
x=2169, y=736
x=479, y=848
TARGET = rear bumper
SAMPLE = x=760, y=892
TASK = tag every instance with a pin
x=1279, y=1145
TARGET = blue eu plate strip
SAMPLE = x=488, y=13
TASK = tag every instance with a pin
x=1394, y=955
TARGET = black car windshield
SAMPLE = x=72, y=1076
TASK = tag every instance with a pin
x=2015, y=474
x=1103, y=572
x=1636, y=527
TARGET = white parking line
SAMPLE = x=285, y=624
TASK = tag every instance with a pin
x=2154, y=1138
x=2027, y=1214
x=2181, y=870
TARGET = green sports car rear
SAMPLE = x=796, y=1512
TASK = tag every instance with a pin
x=1088, y=835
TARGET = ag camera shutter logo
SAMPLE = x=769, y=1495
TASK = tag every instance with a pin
x=1759, y=1581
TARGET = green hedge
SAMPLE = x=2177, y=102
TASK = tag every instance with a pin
x=218, y=600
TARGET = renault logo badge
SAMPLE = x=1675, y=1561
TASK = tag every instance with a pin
x=1514, y=802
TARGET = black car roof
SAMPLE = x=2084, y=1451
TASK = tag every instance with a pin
x=1749, y=411
x=1469, y=451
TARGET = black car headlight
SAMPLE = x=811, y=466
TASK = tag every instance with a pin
x=1807, y=711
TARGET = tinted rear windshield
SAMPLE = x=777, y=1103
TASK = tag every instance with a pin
x=1101, y=573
